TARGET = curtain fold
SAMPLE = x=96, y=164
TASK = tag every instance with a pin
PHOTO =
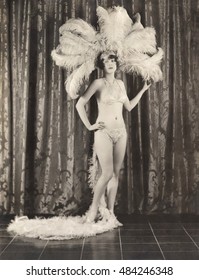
x=44, y=147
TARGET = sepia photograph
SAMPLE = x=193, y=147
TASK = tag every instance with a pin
x=99, y=130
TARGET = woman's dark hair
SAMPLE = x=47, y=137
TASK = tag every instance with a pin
x=100, y=61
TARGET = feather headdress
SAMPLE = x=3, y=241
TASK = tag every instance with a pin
x=80, y=46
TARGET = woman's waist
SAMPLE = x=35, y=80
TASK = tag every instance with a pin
x=111, y=123
x=110, y=115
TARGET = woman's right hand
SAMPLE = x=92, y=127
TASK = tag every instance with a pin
x=97, y=126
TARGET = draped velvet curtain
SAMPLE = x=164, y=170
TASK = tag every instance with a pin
x=44, y=147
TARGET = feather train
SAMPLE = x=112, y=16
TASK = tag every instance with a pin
x=61, y=228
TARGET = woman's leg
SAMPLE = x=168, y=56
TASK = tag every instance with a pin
x=104, y=151
x=118, y=157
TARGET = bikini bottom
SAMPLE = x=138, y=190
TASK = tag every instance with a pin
x=114, y=134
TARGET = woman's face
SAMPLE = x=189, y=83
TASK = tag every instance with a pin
x=109, y=65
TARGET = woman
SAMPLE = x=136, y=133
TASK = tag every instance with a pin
x=110, y=132
x=109, y=145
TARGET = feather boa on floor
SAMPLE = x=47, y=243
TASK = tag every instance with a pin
x=61, y=228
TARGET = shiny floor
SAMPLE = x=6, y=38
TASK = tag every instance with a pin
x=141, y=238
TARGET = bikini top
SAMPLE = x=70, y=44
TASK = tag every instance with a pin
x=110, y=98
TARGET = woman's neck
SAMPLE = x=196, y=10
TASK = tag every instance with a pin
x=109, y=77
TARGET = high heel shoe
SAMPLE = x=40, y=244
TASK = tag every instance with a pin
x=115, y=220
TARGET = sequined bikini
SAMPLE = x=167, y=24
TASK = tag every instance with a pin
x=109, y=99
x=114, y=134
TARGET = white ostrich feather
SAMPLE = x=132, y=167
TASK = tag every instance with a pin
x=141, y=41
x=137, y=26
x=115, y=25
x=120, y=19
x=70, y=62
x=73, y=48
x=80, y=28
x=78, y=77
x=145, y=58
x=74, y=51
x=144, y=65
x=70, y=49
x=71, y=38
x=147, y=73
x=102, y=16
x=94, y=170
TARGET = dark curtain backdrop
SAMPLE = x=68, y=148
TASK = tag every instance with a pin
x=44, y=147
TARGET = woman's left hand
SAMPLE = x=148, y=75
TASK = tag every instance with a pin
x=147, y=85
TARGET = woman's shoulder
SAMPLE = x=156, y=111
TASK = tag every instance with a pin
x=98, y=83
x=99, y=80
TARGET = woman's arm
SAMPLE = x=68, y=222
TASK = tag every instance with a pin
x=83, y=100
x=130, y=104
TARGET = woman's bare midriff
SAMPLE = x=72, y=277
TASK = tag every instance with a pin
x=111, y=115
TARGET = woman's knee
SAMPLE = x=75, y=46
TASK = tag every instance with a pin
x=107, y=175
x=116, y=174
